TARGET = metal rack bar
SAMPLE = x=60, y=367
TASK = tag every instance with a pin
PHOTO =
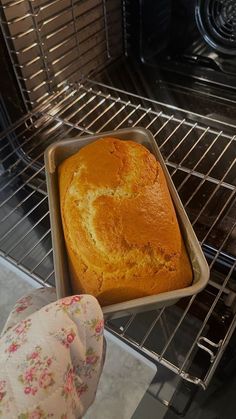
x=101, y=115
x=141, y=117
x=46, y=124
x=49, y=36
x=64, y=11
x=219, y=251
x=170, y=118
x=160, y=357
x=219, y=215
x=12, y=4
x=24, y=269
x=78, y=65
x=49, y=276
x=31, y=114
x=147, y=334
x=26, y=234
x=210, y=170
x=112, y=117
x=128, y=116
x=84, y=65
x=171, y=134
x=24, y=143
x=224, y=344
x=41, y=48
x=191, y=149
x=69, y=38
x=118, y=100
x=83, y=26
x=12, y=61
x=166, y=116
x=34, y=246
x=106, y=25
x=215, y=190
x=18, y=19
x=41, y=261
x=27, y=214
x=180, y=143
x=21, y=220
x=207, y=318
x=23, y=201
x=200, y=160
x=32, y=38
x=76, y=110
x=153, y=120
x=131, y=319
x=199, y=175
x=166, y=106
x=20, y=187
x=49, y=122
x=48, y=4
x=32, y=75
x=176, y=328
x=55, y=16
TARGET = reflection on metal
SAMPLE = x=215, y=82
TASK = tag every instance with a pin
x=195, y=155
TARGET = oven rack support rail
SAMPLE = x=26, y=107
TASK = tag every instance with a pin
x=51, y=41
x=25, y=238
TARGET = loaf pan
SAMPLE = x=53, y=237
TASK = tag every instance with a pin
x=58, y=152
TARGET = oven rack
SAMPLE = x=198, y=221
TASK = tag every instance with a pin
x=179, y=337
x=51, y=41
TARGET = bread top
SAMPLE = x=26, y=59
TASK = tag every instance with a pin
x=117, y=212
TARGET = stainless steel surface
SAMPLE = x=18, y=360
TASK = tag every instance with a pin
x=188, y=338
x=58, y=152
x=50, y=42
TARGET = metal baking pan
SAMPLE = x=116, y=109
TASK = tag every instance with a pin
x=58, y=152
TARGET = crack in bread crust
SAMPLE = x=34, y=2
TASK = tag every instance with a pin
x=119, y=222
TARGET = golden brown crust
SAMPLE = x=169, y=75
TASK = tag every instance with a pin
x=120, y=227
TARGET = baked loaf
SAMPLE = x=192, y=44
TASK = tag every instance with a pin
x=121, y=231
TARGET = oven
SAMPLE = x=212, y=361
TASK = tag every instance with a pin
x=75, y=67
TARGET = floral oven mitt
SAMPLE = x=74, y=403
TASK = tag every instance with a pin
x=51, y=356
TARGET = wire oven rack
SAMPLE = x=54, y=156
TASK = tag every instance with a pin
x=50, y=41
x=190, y=337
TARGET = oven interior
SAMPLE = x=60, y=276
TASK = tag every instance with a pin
x=82, y=67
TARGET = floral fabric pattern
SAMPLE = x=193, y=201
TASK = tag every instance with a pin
x=37, y=413
x=16, y=337
x=69, y=304
x=97, y=326
x=66, y=337
x=52, y=357
x=28, y=305
x=37, y=371
x=22, y=304
x=5, y=400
